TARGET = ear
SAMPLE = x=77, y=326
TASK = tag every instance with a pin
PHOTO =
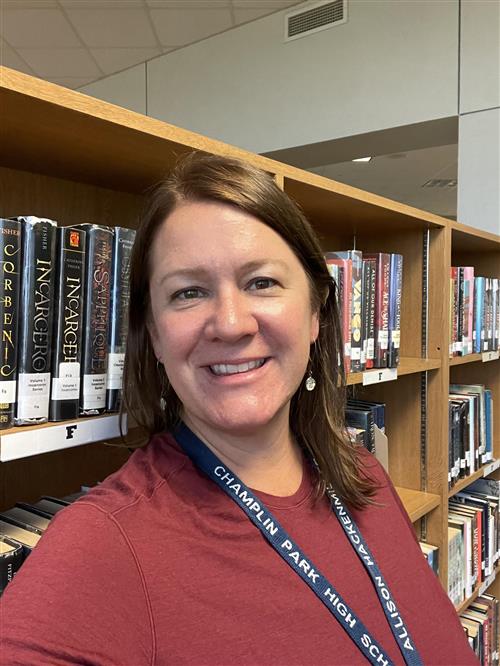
x=154, y=337
x=314, y=327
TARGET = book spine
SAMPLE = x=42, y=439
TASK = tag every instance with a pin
x=120, y=292
x=460, y=309
x=99, y=246
x=454, y=337
x=345, y=273
x=465, y=314
x=469, y=279
x=35, y=324
x=395, y=295
x=10, y=288
x=365, y=311
x=11, y=558
x=68, y=319
x=382, y=309
x=356, y=322
x=370, y=344
x=478, y=300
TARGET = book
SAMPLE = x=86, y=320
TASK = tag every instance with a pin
x=11, y=558
x=345, y=305
x=382, y=285
x=368, y=309
x=120, y=291
x=25, y=519
x=358, y=417
x=98, y=249
x=10, y=293
x=395, y=296
x=68, y=320
x=46, y=506
x=35, y=320
x=431, y=555
x=27, y=538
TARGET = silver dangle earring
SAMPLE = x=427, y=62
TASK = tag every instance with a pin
x=310, y=382
x=163, y=404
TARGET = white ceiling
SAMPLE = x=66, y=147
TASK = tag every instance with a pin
x=403, y=177
x=76, y=42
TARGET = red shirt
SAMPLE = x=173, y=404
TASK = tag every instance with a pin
x=157, y=565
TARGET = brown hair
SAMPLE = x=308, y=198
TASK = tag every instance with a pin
x=317, y=417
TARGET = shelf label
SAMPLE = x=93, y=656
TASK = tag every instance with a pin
x=115, y=371
x=8, y=391
x=491, y=467
x=67, y=385
x=380, y=375
x=33, y=395
x=490, y=356
x=94, y=391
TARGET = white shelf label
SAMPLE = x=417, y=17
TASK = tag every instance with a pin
x=33, y=395
x=491, y=467
x=94, y=391
x=395, y=338
x=67, y=385
x=33, y=441
x=490, y=356
x=115, y=371
x=8, y=391
x=379, y=375
x=383, y=339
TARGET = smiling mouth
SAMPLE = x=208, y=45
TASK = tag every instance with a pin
x=225, y=369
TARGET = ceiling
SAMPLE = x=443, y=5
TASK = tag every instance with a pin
x=76, y=42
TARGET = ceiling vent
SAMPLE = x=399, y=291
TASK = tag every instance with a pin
x=441, y=182
x=315, y=17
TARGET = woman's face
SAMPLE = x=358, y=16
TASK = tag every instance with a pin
x=231, y=316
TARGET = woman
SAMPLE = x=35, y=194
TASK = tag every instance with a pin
x=233, y=535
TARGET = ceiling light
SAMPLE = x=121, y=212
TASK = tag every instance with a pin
x=362, y=159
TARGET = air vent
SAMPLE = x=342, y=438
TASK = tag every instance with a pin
x=315, y=17
x=441, y=182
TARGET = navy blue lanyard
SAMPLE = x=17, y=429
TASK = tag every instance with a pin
x=210, y=464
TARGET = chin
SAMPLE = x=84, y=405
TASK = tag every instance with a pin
x=245, y=421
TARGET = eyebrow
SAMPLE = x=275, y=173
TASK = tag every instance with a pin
x=202, y=272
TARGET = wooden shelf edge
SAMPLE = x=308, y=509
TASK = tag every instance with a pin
x=480, y=589
x=417, y=503
x=16, y=443
x=474, y=358
x=407, y=366
x=483, y=471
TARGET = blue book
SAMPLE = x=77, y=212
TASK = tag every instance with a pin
x=478, y=314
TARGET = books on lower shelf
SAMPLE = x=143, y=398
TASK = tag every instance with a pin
x=473, y=538
x=66, y=319
x=22, y=526
x=474, y=312
x=470, y=430
x=369, y=287
x=480, y=623
x=431, y=555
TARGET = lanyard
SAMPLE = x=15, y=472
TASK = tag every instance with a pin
x=270, y=528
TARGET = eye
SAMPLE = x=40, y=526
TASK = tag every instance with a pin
x=262, y=283
x=187, y=294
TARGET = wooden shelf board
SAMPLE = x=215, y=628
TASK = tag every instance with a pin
x=407, y=366
x=468, y=358
x=478, y=474
x=480, y=589
x=417, y=503
x=470, y=239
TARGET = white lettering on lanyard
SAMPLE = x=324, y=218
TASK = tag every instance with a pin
x=246, y=498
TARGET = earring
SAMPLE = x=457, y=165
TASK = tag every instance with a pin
x=310, y=382
x=163, y=403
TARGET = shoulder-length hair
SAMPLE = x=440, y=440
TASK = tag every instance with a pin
x=316, y=417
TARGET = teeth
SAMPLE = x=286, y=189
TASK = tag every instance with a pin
x=226, y=369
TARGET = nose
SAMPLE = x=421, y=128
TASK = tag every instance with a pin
x=232, y=317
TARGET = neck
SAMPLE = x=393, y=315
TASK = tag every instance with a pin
x=268, y=459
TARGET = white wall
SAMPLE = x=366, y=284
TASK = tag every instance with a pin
x=479, y=170
x=479, y=55
x=393, y=63
x=127, y=89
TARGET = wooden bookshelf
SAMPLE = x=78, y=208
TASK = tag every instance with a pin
x=74, y=158
x=480, y=589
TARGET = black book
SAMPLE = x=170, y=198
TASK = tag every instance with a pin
x=11, y=558
x=68, y=319
x=27, y=538
x=378, y=409
x=98, y=247
x=35, y=320
x=358, y=417
x=118, y=328
x=25, y=519
x=45, y=507
x=10, y=291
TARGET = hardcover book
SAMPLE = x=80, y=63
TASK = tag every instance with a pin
x=98, y=248
x=382, y=282
x=35, y=320
x=11, y=558
x=66, y=361
x=10, y=292
x=395, y=295
x=120, y=291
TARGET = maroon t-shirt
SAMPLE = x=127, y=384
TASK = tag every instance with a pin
x=157, y=565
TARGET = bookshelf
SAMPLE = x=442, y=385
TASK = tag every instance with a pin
x=75, y=159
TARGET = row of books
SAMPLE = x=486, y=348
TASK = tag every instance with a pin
x=473, y=537
x=474, y=312
x=21, y=529
x=470, y=429
x=64, y=310
x=480, y=623
x=362, y=419
x=370, y=289
x=431, y=554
